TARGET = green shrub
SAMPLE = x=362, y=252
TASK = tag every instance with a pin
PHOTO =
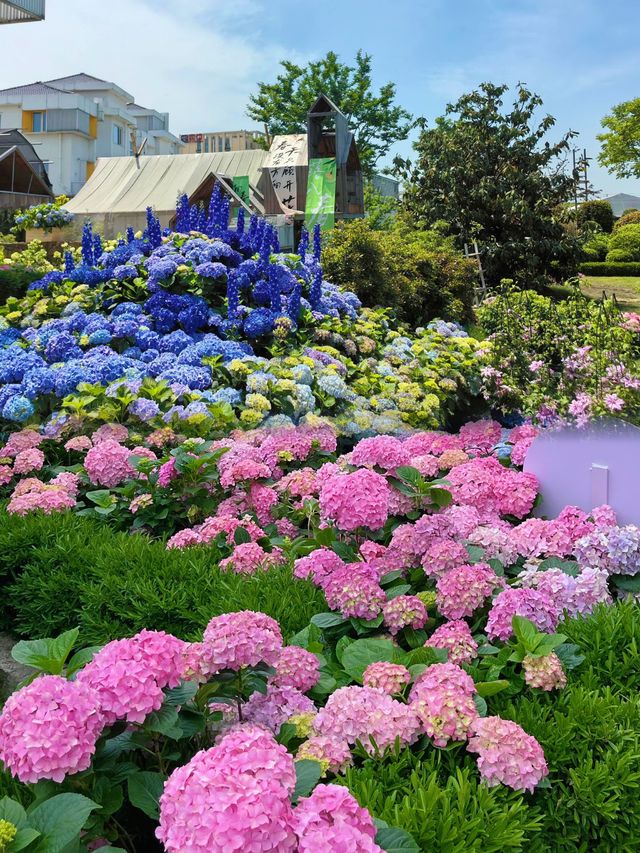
x=15, y=279
x=619, y=256
x=596, y=248
x=599, y=211
x=417, y=274
x=446, y=808
x=61, y=571
x=627, y=239
x=629, y=217
x=607, y=269
x=610, y=643
x=591, y=742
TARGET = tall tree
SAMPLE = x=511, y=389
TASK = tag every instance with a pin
x=493, y=177
x=620, y=151
x=376, y=120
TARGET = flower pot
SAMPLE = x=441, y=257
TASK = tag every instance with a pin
x=56, y=235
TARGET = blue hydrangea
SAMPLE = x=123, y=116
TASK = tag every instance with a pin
x=198, y=378
x=18, y=408
x=303, y=374
x=305, y=400
x=144, y=409
x=335, y=386
x=258, y=383
x=38, y=382
x=258, y=323
x=100, y=336
x=211, y=269
x=62, y=347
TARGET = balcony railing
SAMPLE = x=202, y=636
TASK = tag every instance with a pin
x=19, y=11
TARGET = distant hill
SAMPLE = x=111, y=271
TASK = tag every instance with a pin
x=623, y=201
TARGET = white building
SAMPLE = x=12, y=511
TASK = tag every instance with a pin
x=21, y=11
x=73, y=120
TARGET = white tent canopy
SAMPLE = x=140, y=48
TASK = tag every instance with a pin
x=121, y=188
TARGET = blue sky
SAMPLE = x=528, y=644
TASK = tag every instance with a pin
x=200, y=59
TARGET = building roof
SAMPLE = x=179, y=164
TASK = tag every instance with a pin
x=18, y=176
x=12, y=137
x=623, y=201
x=38, y=88
x=83, y=82
x=122, y=185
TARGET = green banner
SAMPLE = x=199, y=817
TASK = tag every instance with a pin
x=241, y=188
x=321, y=194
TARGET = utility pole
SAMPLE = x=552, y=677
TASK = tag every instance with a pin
x=575, y=183
x=585, y=161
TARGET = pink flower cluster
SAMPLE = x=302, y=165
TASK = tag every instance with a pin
x=357, y=500
x=533, y=604
x=355, y=591
x=456, y=638
x=107, y=464
x=507, y=755
x=242, y=638
x=49, y=729
x=365, y=713
x=442, y=699
x=330, y=819
x=212, y=527
x=390, y=677
x=462, y=590
x=129, y=675
x=32, y=494
x=332, y=754
x=298, y=668
x=249, y=557
x=404, y=611
x=275, y=707
x=545, y=673
x=492, y=488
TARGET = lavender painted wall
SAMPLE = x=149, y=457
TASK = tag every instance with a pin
x=588, y=466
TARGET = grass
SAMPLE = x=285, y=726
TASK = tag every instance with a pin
x=625, y=289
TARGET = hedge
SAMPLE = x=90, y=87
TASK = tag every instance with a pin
x=601, y=268
x=15, y=279
x=64, y=570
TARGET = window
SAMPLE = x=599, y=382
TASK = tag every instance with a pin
x=227, y=144
x=39, y=122
x=206, y=145
x=219, y=143
x=198, y=147
x=117, y=134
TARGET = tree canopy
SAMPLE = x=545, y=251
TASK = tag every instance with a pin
x=376, y=120
x=620, y=152
x=492, y=175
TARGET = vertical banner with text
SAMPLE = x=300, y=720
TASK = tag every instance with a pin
x=321, y=193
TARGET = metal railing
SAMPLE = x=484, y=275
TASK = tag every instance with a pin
x=19, y=11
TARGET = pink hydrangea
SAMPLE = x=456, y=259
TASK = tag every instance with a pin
x=140, y=502
x=462, y=590
x=451, y=458
x=490, y=487
x=273, y=708
x=442, y=556
x=420, y=443
x=110, y=432
x=232, y=798
x=107, y=464
x=167, y=472
x=129, y=675
x=480, y=436
x=520, y=450
x=242, y=464
x=28, y=460
x=354, y=591
x=49, y=729
x=496, y=543
x=242, y=638
x=463, y=519
x=319, y=565
x=456, y=638
x=330, y=819
x=332, y=754
x=442, y=699
x=590, y=588
x=558, y=585
x=545, y=673
x=361, y=713
x=507, y=755
x=296, y=667
x=262, y=500
x=426, y=464
x=79, y=442
x=533, y=604
x=249, y=557
x=6, y=474
x=382, y=451
x=390, y=677
x=49, y=499
x=21, y=440
x=356, y=500
x=403, y=611
x=68, y=481
x=301, y=483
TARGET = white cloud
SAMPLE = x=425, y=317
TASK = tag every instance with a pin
x=193, y=60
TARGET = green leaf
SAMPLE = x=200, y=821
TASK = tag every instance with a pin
x=164, y=721
x=101, y=497
x=475, y=552
x=525, y=631
x=241, y=536
x=569, y=655
x=396, y=840
x=60, y=819
x=547, y=643
x=488, y=649
x=569, y=567
x=81, y=659
x=481, y=705
x=627, y=583
x=327, y=620
x=490, y=688
x=441, y=497
x=23, y=838
x=325, y=536
x=47, y=654
x=409, y=474
x=144, y=789
x=359, y=654
x=399, y=589
x=308, y=774
x=181, y=694
x=12, y=811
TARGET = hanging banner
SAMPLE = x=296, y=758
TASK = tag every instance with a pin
x=285, y=186
x=321, y=193
x=240, y=185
